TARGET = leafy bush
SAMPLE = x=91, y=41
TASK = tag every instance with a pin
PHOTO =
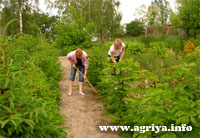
x=152, y=38
x=176, y=102
x=177, y=43
x=159, y=48
x=189, y=23
x=70, y=36
x=108, y=44
x=114, y=88
x=135, y=47
x=192, y=57
x=96, y=64
x=141, y=105
x=29, y=91
x=195, y=41
x=135, y=28
x=174, y=44
x=40, y=55
x=155, y=87
x=23, y=115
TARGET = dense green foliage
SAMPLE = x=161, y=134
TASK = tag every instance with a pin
x=157, y=82
x=135, y=47
x=103, y=14
x=70, y=36
x=164, y=10
x=31, y=16
x=29, y=91
x=155, y=87
x=157, y=13
x=177, y=43
x=159, y=48
x=135, y=28
x=189, y=16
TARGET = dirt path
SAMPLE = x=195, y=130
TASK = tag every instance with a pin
x=84, y=113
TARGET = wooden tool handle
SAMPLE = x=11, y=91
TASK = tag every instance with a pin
x=88, y=81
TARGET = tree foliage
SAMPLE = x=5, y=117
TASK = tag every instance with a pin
x=188, y=12
x=103, y=14
x=20, y=5
x=31, y=16
x=29, y=91
x=135, y=28
x=155, y=14
x=73, y=33
x=164, y=10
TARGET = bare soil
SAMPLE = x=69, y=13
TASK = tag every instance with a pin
x=83, y=113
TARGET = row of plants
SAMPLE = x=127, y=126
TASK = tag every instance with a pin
x=29, y=90
x=155, y=87
x=177, y=43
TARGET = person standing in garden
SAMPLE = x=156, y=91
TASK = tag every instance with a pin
x=116, y=48
x=78, y=58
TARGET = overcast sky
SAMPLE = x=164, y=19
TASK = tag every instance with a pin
x=127, y=8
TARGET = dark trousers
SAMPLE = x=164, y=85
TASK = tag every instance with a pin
x=116, y=58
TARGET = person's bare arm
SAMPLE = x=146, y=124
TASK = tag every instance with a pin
x=112, y=57
x=123, y=51
x=70, y=60
x=85, y=74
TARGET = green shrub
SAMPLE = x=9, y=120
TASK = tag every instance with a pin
x=135, y=28
x=170, y=96
x=70, y=36
x=159, y=49
x=156, y=64
x=152, y=38
x=176, y=102
x=96, y=64
x=143, y=105
x=27, y=42
x=108, y=44
x=114, y=88
x=135, y=47
x=23, y=115
x=29, y=91
x=192, y=57
x=177, y=43
x=174, y=44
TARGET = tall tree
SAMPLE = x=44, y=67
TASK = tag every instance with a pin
x=20, y=6
x=164, y=10
x=155, y=14
x=189, y=15
x=152, y=15
x=103, y=14
x=135, y=28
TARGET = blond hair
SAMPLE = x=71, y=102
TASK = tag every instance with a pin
x=79, y=53
x=117, y=42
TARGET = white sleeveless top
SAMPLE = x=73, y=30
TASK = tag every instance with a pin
x=117, y=52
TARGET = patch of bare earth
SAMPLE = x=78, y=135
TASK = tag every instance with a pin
x=83, y=113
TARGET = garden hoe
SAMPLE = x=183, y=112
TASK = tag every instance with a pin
x=88, y=82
